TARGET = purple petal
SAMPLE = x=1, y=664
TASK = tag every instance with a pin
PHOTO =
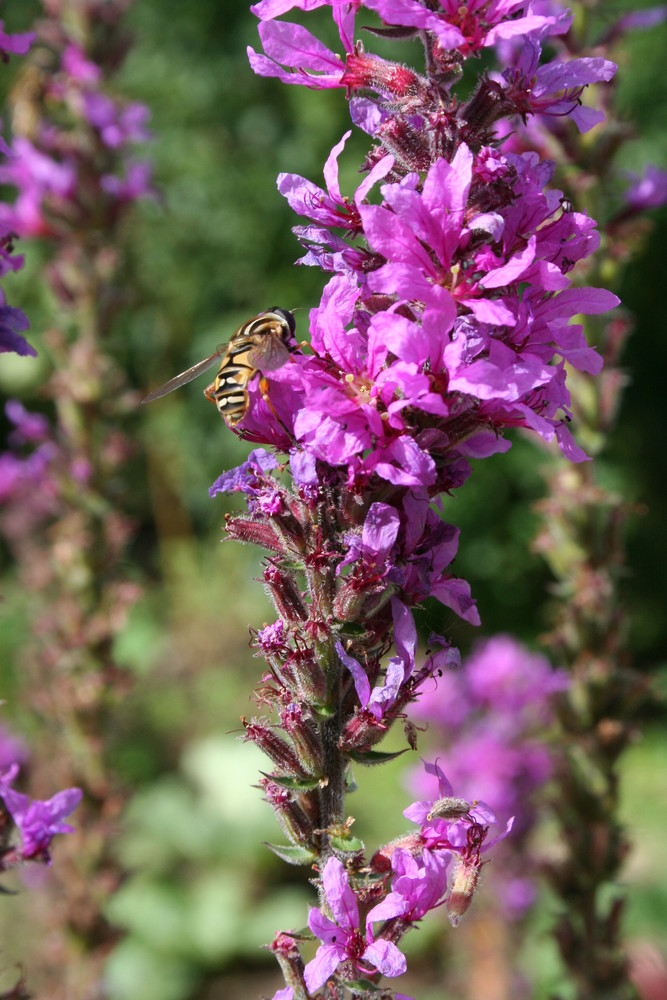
x=361, y=682
x=405, y=633
x=327, y=959
x=380, y=530
x=386, y=958
x=340, y=897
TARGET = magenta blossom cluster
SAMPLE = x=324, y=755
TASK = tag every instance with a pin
x=437, y=866
x=13, y=321
x=489, y=723
x=447, y=315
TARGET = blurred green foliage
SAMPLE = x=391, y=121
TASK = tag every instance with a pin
x=216, y=248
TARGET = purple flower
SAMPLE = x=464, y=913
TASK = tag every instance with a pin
x=13, y=322
x=455, y=835
x=418, y=884
x=17, y=45
x=12, y=749
x=28, y=427
x=38, y=822
x=247, y=476
x=556, y=87
x=342, y=939
x=649, y=191
x=116, y=124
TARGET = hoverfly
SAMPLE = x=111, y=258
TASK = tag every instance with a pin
x=260, y=345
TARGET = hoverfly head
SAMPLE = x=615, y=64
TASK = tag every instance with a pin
x=288, y=317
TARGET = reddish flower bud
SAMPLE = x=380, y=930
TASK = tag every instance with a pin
x=362, y=732
x=381, y=860
x=304, y=736
x=365, y=72
x=292, y=819
x=465, y=879
x=243, y=529
x=283, y=591
x=275, y=747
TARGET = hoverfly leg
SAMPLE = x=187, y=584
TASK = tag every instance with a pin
x=209, y=392
x=264, y=389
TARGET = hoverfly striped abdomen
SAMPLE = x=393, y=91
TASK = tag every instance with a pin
x=261, y=345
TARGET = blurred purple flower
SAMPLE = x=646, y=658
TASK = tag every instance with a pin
x=649, y=191
x=38, y=822
x=13, y=750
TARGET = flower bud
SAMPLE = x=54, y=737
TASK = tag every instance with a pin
x=381, y=860
x=287, y=953
x=292, y=819
x=366, y=72
x=261, y=533
x=283, y=591
x=465, y=878
x=304, y=736
x=362, y=732
x=275, y=747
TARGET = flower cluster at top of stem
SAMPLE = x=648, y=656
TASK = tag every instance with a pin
x=445, y=319
x=446, y=316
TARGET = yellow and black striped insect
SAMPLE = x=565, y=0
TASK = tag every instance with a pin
x=261, y=345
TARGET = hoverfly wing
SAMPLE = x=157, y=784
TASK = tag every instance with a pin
x=269, y=354
x=187, y=376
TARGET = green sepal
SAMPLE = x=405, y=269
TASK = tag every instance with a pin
x=357, y=985
x=294, y=855
x=348, y=845
x=293, y=784
x=372, y=757
x=324, y=711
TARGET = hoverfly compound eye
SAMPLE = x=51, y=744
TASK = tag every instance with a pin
x=287, y=316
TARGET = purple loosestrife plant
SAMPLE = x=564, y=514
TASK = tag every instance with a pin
x=77, y=175
x=444, y=321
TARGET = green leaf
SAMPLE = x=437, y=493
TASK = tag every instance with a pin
x=293, y=784
x=294, y=855
x=373, y=757
x=347, y=844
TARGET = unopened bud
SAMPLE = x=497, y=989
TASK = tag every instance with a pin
x=464, y=882
x=292, y=819
x=284, y=592
x=381, y=860
x=275, y=747
x=304, y=736
x=258, y=532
